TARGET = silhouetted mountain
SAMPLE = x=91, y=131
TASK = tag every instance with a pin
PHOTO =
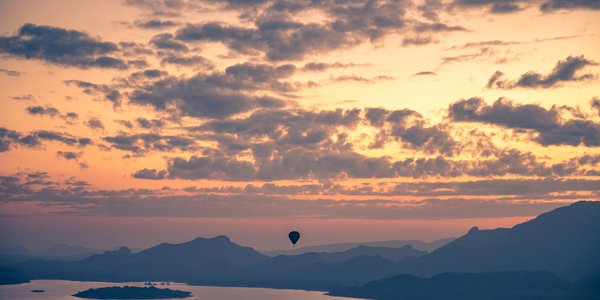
x=516, y=285
x=564, y=241
x=419, y=245
x=198, y=258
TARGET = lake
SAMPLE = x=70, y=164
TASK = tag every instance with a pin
x=63, y=289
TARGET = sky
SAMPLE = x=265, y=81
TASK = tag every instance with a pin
x=138, y=122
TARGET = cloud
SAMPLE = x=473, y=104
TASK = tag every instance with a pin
x=195, y=61
x=61, y=46
x=11, y=73
x=94, y=123
x=165, y=41
x=125, y=123
x=319, y=67
x=68, y=155
x=140, y=144
x=425, y=73
x=83, y=199
x=109, y=93
x=154, y=24
x=150, y=124
x=551, y=129
x=217, y=95
x=564, y=71
x=39, y=110
x=152, y=174
x=494, y=6
x=279, y=37
x=10, y=138
x=553, y=5
x=596, y=104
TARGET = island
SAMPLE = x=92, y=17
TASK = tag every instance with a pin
x=132, y=292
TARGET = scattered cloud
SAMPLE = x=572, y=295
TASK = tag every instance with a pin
x=551, y=128
x=61, y=46
x=564, y=71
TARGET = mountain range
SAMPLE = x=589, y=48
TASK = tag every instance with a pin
x=560, y=246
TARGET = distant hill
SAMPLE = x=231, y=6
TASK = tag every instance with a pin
x=321, y=270
x=198, y=258
x=419, y=245
x=515, y=285
x=565, y=241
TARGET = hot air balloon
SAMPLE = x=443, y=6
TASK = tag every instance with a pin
x=294, y=237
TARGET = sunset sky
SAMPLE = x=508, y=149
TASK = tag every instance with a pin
x=142, y=121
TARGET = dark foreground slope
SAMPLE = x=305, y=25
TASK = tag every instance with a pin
x=516, y=285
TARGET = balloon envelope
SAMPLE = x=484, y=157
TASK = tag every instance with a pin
x=294, y=237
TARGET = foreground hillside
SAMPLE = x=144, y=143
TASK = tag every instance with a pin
x=516, y=285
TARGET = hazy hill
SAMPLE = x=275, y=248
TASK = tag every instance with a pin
x=419, y=245
x=515, y=285
x=564, y=241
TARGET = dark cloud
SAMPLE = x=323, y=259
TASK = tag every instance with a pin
x=279, y=37
x=108, y=93
x=152, y=174
x=194, y=61
x=68, y=155
x=425, y=73
x=39, y=110
x=11, y=73
x=10, y=138
x=418, y=40
x=436, y=27
x=149, y=74
x=494, y=6
x=139, y=144
x=165, y=41
x=125, y=123
x=61, y=46
x=70, y=116
x=596, y=104
x=94, y=123
x=564, y=71
x=217, y=95
x=551, y=129
x=52, y=112
x=319, y=67
x=570, y=4
x=154, y=24
x=150, y=123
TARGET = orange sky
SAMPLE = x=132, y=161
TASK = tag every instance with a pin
x=380, y=121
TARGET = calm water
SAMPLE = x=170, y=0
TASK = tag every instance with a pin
x=62, y=289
